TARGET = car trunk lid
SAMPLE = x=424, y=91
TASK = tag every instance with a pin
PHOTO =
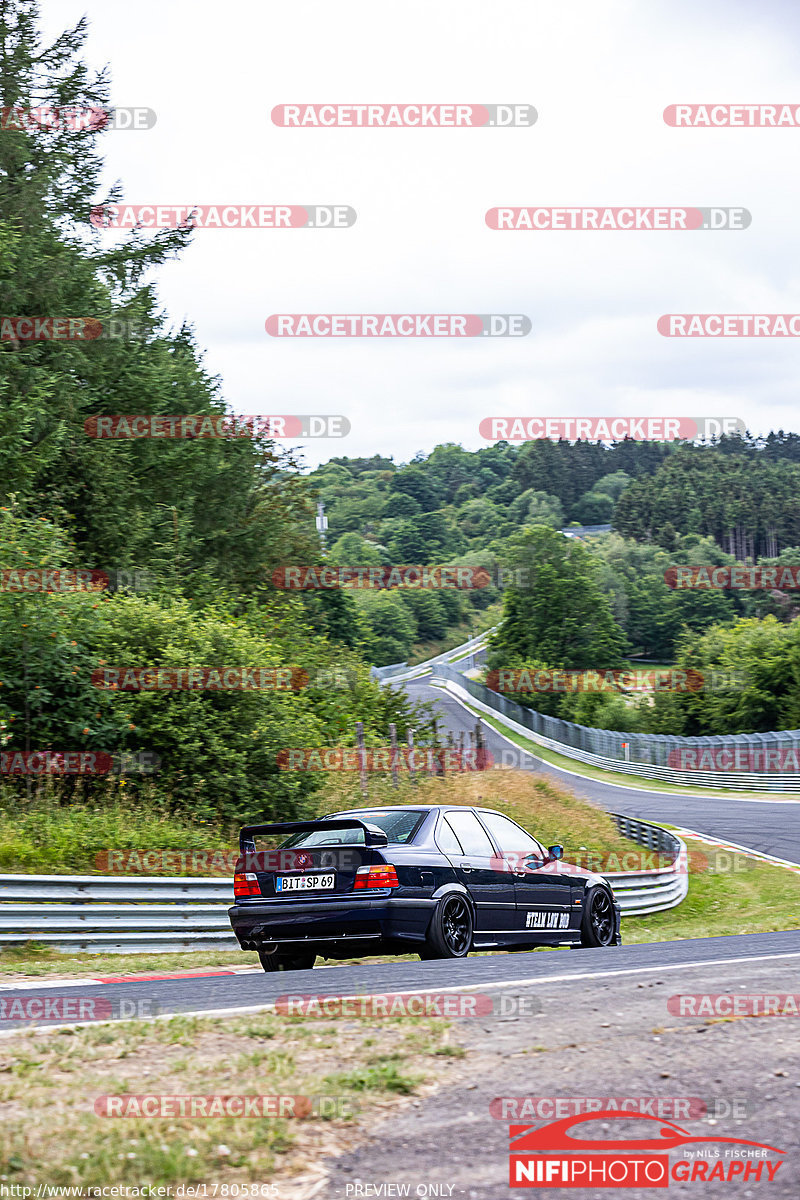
x=327, y=868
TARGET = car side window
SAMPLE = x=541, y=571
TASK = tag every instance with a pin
x=509, y=836
x=470, y=833
x=446, y=839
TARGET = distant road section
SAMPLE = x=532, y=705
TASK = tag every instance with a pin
x=771, y=827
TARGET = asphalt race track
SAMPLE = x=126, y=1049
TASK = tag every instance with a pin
x=210, y=993
x=771, y=827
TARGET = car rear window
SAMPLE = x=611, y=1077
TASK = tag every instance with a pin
x=398, y=825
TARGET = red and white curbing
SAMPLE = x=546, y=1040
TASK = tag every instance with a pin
x=146, y=977
x=735, y=847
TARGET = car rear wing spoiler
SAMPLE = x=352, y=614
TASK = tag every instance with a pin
x=372, y=836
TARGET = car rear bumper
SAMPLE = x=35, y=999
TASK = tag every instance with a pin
x=319, y=922
x=617, y=924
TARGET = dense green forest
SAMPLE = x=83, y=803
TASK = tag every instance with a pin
x=668, y=503
x=593, y=602
x=207, y=522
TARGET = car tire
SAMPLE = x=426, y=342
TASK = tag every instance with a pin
x=451, y=928
x=286, y=962
x=598, y=920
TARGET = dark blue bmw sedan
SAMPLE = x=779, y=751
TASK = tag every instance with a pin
x=438, y=880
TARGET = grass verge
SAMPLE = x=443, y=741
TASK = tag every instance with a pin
x=31, y=961
x=750, y=897
x=43, y=837
x=49, y=1083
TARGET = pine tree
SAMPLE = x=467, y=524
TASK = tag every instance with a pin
x=225, y=509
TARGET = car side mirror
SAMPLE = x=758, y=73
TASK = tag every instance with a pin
x=555, y=852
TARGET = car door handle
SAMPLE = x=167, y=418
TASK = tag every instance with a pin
x=466, y=866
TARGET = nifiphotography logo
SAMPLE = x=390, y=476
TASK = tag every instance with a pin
x=552, y=1156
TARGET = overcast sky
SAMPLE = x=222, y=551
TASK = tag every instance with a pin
x=599, y=72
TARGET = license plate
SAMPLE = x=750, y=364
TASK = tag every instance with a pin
x=305, y=883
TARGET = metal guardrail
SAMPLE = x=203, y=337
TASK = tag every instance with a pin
x=113, y=915
x=381, y=673
x=582, y=743
x=585, y=530
x=643, y=892
x=401, y=672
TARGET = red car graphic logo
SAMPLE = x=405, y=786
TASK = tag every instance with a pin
x=303, y=860
x=555, y=1136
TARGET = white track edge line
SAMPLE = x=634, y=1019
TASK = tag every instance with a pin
x=269, y=1006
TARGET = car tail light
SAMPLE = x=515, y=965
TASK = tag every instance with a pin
x=245, y=884
x=383, y=876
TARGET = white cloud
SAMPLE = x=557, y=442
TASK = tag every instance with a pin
x=599, y=74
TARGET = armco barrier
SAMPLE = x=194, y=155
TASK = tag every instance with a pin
x=401, y=672
x=116, y=915
x=642, y=754
x=381, y=673
x=642, y=892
